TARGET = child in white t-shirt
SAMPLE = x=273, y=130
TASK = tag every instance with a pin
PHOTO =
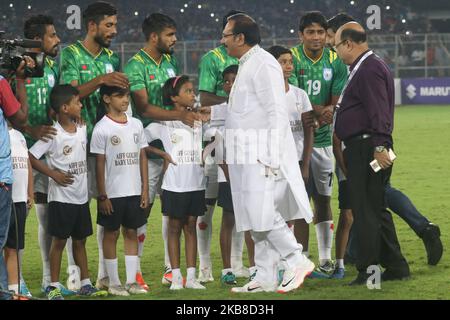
x=69, y=214
x=119, y=142
x=22, y=196
x=183, y=196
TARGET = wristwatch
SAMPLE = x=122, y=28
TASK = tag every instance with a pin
x=380, y=148
x=102, y=197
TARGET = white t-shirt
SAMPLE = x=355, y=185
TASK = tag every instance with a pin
x=184, y=144
x=66, y=152
x=19, y=158
x=297, y=103
x=121, y=143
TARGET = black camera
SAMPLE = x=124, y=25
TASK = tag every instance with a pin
x=12, y=53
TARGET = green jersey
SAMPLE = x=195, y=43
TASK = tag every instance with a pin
x=77, y=63
x=144, y=72
x=38, y=95
x=210, y=71
x=321, y=79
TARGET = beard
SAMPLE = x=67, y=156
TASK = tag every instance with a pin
x=52, y=52
x=101, y=41
x=164, y=49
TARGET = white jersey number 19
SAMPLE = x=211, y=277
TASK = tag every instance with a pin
x=314, y=87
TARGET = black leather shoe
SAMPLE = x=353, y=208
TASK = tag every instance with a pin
x=360, y=280
x=390, y=275
x=433, y=244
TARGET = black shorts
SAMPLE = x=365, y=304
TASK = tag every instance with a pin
x=127, y=213
x=69, y=220
x=344, y=197
x=21, y=212
x=225, y=200
x=183, y=204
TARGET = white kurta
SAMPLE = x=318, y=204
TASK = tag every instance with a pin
x=257, y=105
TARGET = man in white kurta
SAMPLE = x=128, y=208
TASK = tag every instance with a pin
x=266, y=182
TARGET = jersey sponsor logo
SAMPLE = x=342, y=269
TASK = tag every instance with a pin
x=115, y=140
x=67, y=150
x=51, y=80
x=171, y=72
x=327, y=74
x=109, y=68
x=136, y=138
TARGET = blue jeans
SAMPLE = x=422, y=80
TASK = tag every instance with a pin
x=5, y=215
x=400, y=204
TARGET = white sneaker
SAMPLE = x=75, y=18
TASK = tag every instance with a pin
x=135, y=288
x=102, y=284
x=73, y=281
x=194, y=284
x=118, y=290
x=252, y=287
x=241, y=272
x=205, y=275
x=293, y=278
x=176, y=285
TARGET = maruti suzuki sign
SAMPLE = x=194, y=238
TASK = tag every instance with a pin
x=426, y=91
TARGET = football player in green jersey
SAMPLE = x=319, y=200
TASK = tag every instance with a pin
x=322, y=75
x=211, y=87
x=87, y=65
x=147, y=71
x=39, y=127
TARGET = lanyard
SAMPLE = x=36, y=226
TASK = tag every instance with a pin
x=350, y=77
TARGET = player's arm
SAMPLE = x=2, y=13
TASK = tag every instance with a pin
x=116, y=79
x=308, y=133
x=16, y=109
x=143, y=166
x=62, y=178
x=210, y=99
x=104, y=204
x=30, y=189
x=154, y=112
x=338, y=154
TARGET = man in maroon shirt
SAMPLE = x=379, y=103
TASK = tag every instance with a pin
x=364, y=121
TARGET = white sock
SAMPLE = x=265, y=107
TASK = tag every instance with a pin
x=324, y=233
x=14, y=287
x=55, y=284
x=252, y=270
x=86, y=282
x=176, y=275
x=131, y=267
x=69, y=251
x=141, y=235
x=165, y=234
x=225, y=271
x=20, y=263
x=190, y=274
x=340, y=263
x=101, y=261
x=45, y=240
x=112, y=270
x=237, y=247
x=204, y=234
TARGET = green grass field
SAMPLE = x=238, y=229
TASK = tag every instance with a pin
x=422, y=142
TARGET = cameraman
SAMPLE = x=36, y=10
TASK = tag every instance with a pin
x=16, y=111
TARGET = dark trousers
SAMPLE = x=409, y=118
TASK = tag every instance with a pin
x=400, y=204
x=373, y=227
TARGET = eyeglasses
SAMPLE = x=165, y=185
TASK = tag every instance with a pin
x=227, y=35
x=337, y=45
